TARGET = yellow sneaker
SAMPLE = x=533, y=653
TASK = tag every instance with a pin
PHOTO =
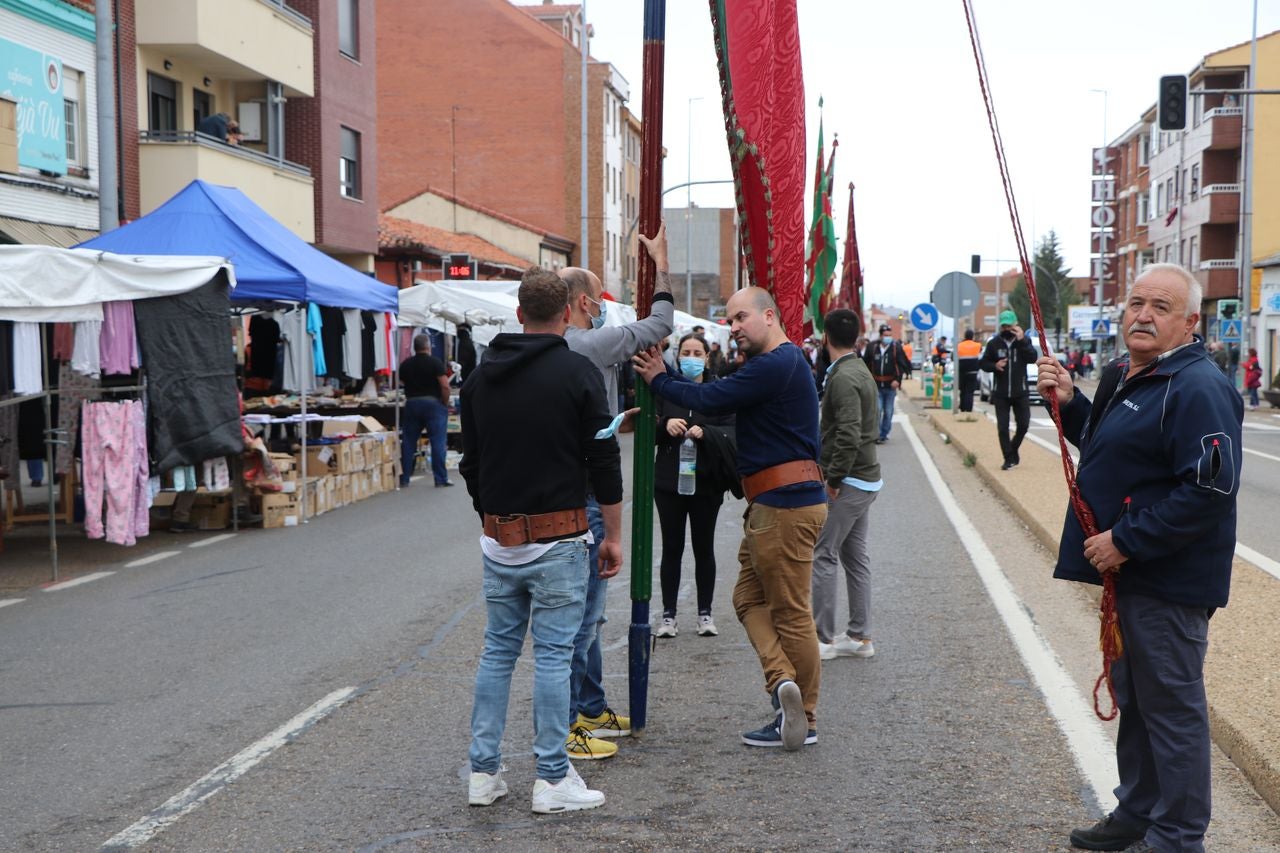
x=582, y=746
x=607, y=724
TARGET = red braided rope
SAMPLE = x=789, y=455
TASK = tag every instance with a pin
x=1110, y=640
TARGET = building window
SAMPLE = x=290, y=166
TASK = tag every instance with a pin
x=349, y=164
x=73, y=116
x=1195, y=181
x=989, y=300
x=201, y=106
x=1144, y=203
x=162, y=104
x=1193, y=259
x=1160, y=200
x=1144, y=150
x=349, y=28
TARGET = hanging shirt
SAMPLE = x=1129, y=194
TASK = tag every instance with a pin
x=315, y=328
x=64, y=341
x=27, y=377
x=352, y=344
x=86, y=356
x=381, y=343
x=119, y=344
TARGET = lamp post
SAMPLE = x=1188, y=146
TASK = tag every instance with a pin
x=1038, y=269
x=1102, y=266
x=688, y=219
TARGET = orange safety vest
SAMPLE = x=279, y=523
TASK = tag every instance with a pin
x=968, y=349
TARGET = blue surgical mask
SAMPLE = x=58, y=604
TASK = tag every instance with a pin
x=886, y=339
x=692, y=367
x=598, y=321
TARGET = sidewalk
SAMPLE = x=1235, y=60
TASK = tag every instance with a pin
x=1240, y=671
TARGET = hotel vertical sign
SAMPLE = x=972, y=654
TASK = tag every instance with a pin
x=1104, y=216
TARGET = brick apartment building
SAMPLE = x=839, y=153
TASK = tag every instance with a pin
x=713, y=266
x=1132, y=244
x=487, y=109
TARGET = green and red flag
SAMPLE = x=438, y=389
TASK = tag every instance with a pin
x=762, y=87
x=820, y=265
x=850, y=293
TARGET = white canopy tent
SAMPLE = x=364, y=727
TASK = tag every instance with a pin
x=47, y=284
x=490, y=308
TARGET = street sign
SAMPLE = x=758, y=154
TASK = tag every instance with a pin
x=1273, y=302
x=1229, y=331
x=1101, y=328
x=924, y=316
x=956, y=295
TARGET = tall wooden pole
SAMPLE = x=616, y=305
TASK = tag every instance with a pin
x=640, y=634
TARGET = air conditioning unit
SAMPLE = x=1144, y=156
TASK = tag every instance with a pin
x=417, y=266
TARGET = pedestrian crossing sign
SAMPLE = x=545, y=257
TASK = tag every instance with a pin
x=1102, y=328
x=1229, y=331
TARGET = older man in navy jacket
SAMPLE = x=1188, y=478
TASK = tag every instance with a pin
x=1160, y=466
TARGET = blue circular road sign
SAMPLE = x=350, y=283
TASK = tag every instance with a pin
x=924, y=316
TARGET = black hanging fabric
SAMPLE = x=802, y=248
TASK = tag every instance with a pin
x=6, y=356
x=193, y=411
x=368, y=329
x=334, y=327
x=264, y=340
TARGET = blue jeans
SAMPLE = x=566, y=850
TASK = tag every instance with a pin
x=586, y=683
x=887, y=396
x=430, y=414
x=545, y=596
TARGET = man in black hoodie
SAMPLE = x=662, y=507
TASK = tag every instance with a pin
x=531, y=413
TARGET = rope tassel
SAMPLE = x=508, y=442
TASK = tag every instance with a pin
x=1110, y=639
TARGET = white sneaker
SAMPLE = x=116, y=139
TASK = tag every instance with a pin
x=570, y=794
x=846, y=646
x=826, y=651
x=484, y=788
x=706, y=627
x=667, y=628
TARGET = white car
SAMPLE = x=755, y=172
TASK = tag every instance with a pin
x=985, y=379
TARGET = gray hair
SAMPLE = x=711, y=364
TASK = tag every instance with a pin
x=1195, y=291
x=422, y=343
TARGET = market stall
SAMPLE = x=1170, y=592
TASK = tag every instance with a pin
x=91, y=335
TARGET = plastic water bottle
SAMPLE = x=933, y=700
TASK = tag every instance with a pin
x=688, y=480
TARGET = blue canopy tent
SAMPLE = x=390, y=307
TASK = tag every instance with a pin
x=272, y=263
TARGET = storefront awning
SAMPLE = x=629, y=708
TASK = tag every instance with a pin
x=42, y=234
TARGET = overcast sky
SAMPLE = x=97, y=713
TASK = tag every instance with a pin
x=901, y=91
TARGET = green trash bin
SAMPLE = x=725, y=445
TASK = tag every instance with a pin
x=947, y=386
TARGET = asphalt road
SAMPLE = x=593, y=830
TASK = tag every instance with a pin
x=118, y=695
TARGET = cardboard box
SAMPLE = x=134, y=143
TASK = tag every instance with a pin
x=390, y=443
x=211, y=512
x=280, y=511
x=355, y=451
x=321, y=459
x=375, y=480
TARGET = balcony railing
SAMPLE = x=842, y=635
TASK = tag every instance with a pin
x=1219, y=264
x=288, y=11
x=192, y=137
x=1221, y=112
x=1210, y=189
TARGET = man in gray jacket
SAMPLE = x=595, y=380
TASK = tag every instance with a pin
x=849, y=428
x=590, y=717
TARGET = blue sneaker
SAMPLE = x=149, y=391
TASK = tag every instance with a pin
x=771, y=735
x=791, y=714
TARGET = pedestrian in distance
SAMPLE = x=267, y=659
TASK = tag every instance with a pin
x=425, y=380
x=1006, y=357
x=1160, y=459
x=968, y=354
x=777, y=428
x=1218, y=352
x=532, y=416
x=1252, y=377
x=889, y=364
x=710, y=435
x=849, y=464
x=592, y=723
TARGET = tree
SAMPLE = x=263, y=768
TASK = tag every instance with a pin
x=1053, y=285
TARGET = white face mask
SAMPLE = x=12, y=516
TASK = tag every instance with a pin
x=598, y=320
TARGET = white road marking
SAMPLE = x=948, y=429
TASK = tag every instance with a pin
x=5, y=602
x=153, y=558
x=1040, y=442
x=1261, y=427
x=1260, y=453
x=1093, y=752
x=224, y=774
x=212, y=540
x=1262, y=561
x=77, y=581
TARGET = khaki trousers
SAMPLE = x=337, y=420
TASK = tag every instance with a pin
x=772, y=595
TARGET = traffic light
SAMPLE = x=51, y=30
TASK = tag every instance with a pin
x=1228, y=309
x=975, y=264
x=1172, y=103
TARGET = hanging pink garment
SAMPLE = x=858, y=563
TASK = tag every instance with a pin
x=119, y=343
x=114, y=438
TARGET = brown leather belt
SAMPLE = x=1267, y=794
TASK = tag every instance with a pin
x=884, y=378
x=777, y=476
x=511, y=530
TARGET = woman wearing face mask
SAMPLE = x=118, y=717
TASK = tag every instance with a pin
x=711, y=434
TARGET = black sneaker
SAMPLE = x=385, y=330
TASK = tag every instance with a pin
x=1008, y=463
x=181, y=527
x=771, y=735
x=1108, y=834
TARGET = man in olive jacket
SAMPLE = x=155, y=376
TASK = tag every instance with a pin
x=849, y=426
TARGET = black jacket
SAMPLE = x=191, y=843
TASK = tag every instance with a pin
x=530, y=413
x=887, y=363
x=1011, y=382
x=667, y=460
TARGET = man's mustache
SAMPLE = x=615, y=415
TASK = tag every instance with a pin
x=1142, y=327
